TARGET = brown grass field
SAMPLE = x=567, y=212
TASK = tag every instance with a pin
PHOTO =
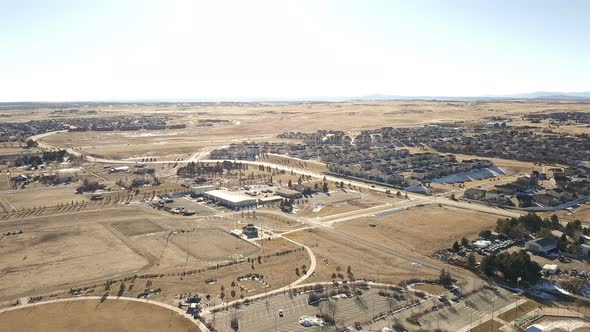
x=94, y=316
x=38, y=197
x=423, y=230
x=59, y=251
x=264, y=121
x=332, y=251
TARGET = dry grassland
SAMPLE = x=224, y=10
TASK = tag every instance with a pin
x=582, y=214
x=94, y=316
x=332, y=251
x=423, y=230
x=263, y=121
x=213, y=243
x=58, y=251
x=38, y=197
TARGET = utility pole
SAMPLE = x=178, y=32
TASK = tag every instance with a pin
x=493, y=309
x=517, y=298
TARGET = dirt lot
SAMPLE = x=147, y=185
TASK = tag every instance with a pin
x=332, y=252
x=136, y=227
x=60, y=250
x=4, y=182
x=213, y=244
x=339, y=201
x=568, y=324
x=77, y=249
x=421, y=229
x=91, y=315
x=489, y=326
x=31, y=198
x=268, y=218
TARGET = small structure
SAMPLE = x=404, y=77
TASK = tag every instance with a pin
x=200, y=190
x=474, y=193
x=535, y=328
x=541, y=246
x=550, y=269
x=419, y=189
x=288, y=193
x=120, y=169
x=481, y=244
x=250, y=231
x=270, y=200
x=495, y=125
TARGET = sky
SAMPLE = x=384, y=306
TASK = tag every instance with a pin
x=178, y=49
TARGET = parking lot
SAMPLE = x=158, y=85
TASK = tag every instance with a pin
x=457, y=315
x=262, y=315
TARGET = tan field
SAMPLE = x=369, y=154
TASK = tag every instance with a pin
x=253, y=122
x=423, y=230
x=59, y=251
x=332, y=252
x=94, y=316
x=38, y=197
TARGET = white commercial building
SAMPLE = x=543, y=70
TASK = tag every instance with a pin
x=231, y=199
x=200, y=190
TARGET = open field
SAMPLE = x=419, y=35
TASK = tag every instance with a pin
x=333, y=251
x=489, y=326
x=5, y=182
x=519, y=311
x=58, y=251
x=136, y=227
x=250, y=122
x=267, y=218
x=38, y=197
x=581, y=213
x=423, y=230
x=553, y=324
x=213, y=244
x=94, y=316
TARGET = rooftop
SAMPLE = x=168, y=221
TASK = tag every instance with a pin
x=231, y=196
x=544, y=241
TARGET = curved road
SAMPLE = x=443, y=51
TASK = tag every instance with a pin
x=179, y=311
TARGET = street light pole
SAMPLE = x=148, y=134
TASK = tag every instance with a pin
x=493, y=309
x=517, y=298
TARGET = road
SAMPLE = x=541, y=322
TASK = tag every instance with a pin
x=179, y=311
x=326, y=223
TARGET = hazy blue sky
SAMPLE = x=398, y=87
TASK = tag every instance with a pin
x=117, y=49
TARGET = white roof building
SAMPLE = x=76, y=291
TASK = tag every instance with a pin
x=231, y=199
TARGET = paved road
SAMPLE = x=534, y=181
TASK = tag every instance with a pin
x=413, y=200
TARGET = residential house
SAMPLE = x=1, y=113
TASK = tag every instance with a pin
x=474, y=193
x=541, y=246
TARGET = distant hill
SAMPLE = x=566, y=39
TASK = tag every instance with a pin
x=551, y=95
x=538, y=95
x=546, y=95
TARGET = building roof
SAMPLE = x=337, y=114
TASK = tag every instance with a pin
x=544, y=242
x=287, y=191
x=230, y=196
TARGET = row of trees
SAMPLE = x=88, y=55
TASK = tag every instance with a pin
x=509, y=267
x=46, y=157
x=527, y=224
